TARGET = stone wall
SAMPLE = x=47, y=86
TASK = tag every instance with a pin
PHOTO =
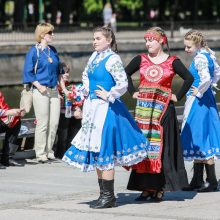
x=76, y=55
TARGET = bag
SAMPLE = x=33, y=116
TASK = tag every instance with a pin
x=27, y=92
x=26, y=98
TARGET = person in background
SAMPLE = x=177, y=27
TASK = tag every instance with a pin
x=44, y=82
x=107, y=14
x=69, y=125
x=113, y=22
x=201, y=125
x=163, y=169
x=10, y=124
x=109, y=136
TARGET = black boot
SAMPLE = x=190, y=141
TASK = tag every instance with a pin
x=197, y=180
x=211, y=184
x=107, y=199
x=12, y=150
x=101, y=192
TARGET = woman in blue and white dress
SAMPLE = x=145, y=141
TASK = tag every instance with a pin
x=109, y=135
x=201, y=125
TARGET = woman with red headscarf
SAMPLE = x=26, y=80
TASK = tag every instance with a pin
x=163, y=168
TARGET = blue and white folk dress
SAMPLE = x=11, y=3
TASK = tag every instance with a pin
x=201, y=125
x=109, y=135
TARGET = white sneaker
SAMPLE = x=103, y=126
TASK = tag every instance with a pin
x=51, y=156
x=42, y=159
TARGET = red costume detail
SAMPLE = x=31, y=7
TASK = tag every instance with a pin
x=10, y=121
x=153, y=76
x=155, y=36
x=158, y=74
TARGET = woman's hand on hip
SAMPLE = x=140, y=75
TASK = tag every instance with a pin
x=194, y=91
x=135, y=95
x=102, y=93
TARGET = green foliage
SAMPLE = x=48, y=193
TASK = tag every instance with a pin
x=130, y=4
x=92, y=6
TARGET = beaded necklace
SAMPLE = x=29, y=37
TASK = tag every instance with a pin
x=49, y=58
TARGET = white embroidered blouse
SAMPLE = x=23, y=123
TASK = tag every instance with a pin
x=115, y=67
x=202, y=65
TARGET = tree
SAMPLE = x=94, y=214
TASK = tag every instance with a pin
x=93, y=6
x=129, y=9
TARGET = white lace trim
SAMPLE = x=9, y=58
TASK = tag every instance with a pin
x=200, y=158
x=129, y=160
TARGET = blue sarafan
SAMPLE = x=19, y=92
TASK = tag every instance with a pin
x=109, y=135
x=201, y=125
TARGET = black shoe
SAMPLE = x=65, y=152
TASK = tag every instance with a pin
x=14, y=163
x=143, y=197
x=5, y=163
x=2, y=167
x=208, y=187
x=107, y=199
x=158, y=197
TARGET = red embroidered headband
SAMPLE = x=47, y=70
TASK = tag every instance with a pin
x=155, y=36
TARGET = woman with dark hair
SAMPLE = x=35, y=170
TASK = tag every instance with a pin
x=109, y=136
x=163, y=168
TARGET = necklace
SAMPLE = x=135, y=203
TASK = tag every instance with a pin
x=49, y=58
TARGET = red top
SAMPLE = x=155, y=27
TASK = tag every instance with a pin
x=8, y=120
x=159, y=74
x=155, y=90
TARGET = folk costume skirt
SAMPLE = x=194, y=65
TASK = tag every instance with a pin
x=173, y=174
x=109, y=137
x=201, y=128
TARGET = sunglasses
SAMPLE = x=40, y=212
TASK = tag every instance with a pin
x=50, y=33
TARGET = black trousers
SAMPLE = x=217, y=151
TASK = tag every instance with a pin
x=11, y=137
x=67, y=129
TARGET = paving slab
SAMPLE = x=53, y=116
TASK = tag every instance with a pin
x=58, y=191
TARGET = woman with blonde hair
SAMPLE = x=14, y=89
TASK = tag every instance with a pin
x=42, y=74
x=201, y=125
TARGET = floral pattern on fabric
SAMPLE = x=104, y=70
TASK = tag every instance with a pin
x=128, y=158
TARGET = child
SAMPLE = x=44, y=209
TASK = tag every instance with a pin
x=68, y=124
x=10, y=125
x=201, y=125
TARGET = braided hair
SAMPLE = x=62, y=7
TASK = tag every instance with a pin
x=109, y=34
x=198, y=38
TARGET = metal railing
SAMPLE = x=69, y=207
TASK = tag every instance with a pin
x=18, y=32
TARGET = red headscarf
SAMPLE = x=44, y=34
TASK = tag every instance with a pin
x=155, y=36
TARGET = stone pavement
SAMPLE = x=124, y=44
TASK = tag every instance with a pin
x=59, y=192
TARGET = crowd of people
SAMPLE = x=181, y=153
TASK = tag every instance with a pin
x=88, y=126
